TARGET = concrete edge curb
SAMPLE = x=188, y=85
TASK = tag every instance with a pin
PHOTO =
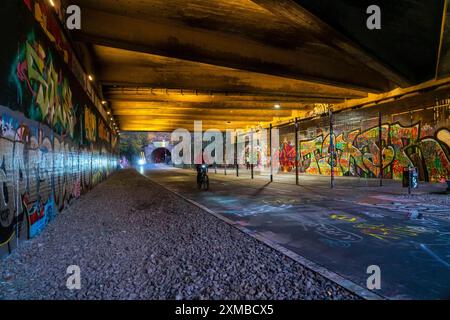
x=330, y=275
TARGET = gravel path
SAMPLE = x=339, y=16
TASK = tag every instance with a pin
x=134, y=240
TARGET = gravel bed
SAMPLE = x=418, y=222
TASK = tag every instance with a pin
x=134, y=240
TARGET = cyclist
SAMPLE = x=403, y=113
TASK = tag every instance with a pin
x=198, y=167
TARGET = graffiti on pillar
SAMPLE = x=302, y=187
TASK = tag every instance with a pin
x=287, y=156
x=253, y=153
x=358, y=152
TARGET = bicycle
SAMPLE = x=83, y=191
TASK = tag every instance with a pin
x=203, y=182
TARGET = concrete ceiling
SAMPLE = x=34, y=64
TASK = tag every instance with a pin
x=165, y=63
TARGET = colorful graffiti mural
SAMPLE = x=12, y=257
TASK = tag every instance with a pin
x=50, y=25
x=40, y=174
x=46, y=88
x=357, y=153
x=103, y=132
x=90, y=125
x=51, y=149
x=287, y=156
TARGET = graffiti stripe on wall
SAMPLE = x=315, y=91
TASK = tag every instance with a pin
x=41, y=173
x=357, y=152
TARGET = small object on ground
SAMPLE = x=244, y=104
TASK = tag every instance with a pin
x=414, y=214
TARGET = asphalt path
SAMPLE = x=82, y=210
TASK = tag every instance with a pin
x=345, y=230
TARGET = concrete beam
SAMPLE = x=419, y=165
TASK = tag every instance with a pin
x=186, y=117
x=234, y=106
x=434, y=89
x=161, y=72
x=313, y=61
x=197, y=113
x=187, y=126
x=139, y=94
x=303, y=19
x=443, y=61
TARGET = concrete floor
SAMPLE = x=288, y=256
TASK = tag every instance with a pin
x=345, y=230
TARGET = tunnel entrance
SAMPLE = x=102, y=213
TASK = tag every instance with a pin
x=161, y=155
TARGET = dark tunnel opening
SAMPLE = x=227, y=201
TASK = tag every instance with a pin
x=161, y=155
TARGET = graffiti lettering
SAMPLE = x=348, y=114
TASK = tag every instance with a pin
x=358, y=153
x=382, y=232
x=334, y=233
x=90, y=124
x=49, y=92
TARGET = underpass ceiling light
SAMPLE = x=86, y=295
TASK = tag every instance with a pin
x=277, y=106
x=108, y=112
x=103, y=102
x=91, y=78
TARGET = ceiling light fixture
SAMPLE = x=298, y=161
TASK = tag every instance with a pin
x=51, y=3
x=277, y=106
x=91, y=78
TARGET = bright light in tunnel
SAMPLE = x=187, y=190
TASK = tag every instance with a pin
x=91, y=78
x=277, y=106
x=141, y=162
x=52, y=3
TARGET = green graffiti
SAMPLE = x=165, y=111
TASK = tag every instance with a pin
x=36, y=76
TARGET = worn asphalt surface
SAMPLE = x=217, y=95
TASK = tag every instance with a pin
x=345, y=230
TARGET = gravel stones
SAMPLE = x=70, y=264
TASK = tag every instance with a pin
x=134, y=240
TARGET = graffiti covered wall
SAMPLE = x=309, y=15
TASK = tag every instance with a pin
x=54, y=145
x=419, y=137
